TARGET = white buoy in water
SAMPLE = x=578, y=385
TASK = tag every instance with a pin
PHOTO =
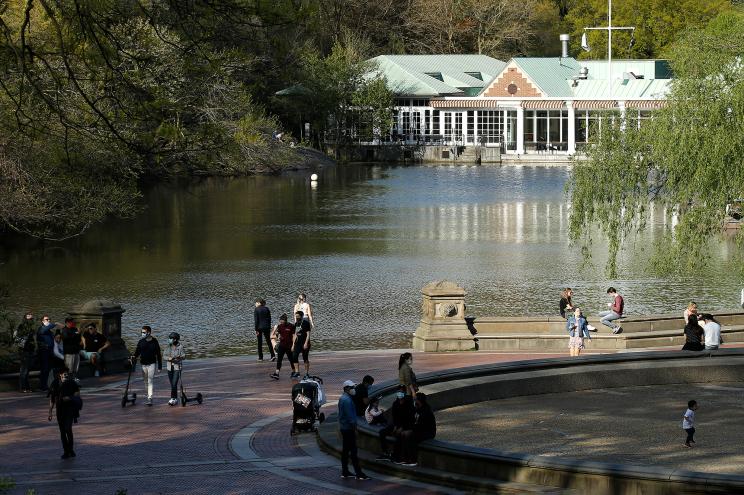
x=314, y=177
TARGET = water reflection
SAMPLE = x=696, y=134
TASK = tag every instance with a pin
x=361, y=243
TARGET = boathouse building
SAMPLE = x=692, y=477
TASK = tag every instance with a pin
x=523, y=106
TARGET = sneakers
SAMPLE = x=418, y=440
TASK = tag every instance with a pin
x=362, y=477
x=294, y=374
x=591, y=328
x=410, y=464
x=274, y=375
x=172, y=402
x=260, y=359
x=273, y=358
x=148, y=401
x=307, y=375
x=617, y=330
x=383, y=457
x=345, y=476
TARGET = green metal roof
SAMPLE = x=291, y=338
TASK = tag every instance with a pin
x=622, y=89
x=649, y=69
x=406, y=74
x=552, y=75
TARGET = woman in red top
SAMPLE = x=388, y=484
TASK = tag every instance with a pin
x=284, y=334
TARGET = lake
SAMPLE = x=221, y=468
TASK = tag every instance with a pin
x=361, y=244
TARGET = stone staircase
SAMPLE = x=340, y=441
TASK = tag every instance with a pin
x=469, y=155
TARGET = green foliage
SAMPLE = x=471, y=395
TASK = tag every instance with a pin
x=100, y=94
x=687, y=160
x=658, y=23
x=343, y=95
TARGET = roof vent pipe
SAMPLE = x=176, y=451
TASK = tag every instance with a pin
x=565, y=38
x=583, y=73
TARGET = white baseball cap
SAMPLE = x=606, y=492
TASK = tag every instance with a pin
x=349, y=383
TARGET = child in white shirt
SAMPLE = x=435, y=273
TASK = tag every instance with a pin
x=688, y=422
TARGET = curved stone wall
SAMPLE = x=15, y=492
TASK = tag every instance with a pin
x=487, y=469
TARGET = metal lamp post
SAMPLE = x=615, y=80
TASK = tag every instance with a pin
x=609, y=28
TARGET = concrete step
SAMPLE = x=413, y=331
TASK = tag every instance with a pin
x=329, y=441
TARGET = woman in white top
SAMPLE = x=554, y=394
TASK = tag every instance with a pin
x=304, y=306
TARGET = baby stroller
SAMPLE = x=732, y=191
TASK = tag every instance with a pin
x=307, y=397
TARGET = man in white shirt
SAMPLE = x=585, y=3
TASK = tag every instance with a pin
x=711, y=330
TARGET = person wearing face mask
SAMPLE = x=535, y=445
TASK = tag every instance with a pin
x=45, y=350
x=148, y=350
x=72, y=343
x=406, y=376
x=25, y=338
x=174, y=356
x=424, y=428
x=302, y=342
x=347, y=422
x=402, y=415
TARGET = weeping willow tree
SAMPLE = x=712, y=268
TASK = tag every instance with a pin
x=687, y=159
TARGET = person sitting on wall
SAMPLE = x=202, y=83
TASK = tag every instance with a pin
x=402, y=415
x=94, y=343
x=424, y=428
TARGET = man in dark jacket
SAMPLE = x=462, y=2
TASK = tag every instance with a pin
x=424, y=428
x=71, y=345
x=403, y=416
x=45, y=349
x=148, y=350
x=25, y=338
x=262, y=317
x=64, y=395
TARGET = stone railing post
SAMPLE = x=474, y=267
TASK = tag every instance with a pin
x=107, y=317
x=443, y=326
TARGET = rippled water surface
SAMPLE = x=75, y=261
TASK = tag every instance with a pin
x=361, y=245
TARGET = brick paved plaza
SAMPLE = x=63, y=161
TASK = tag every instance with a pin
x=236, y=442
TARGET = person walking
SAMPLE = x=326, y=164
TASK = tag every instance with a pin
x=262, y=318
x=64, y=395
x=688, y=422
x=45, y=350
x=347, y=424
x=302, y=342
x=406, y=376
x=617, y=306
x=711, y=331
x=173, y=355
x=284, y=334
x=304, y=306
x=25, y=339
x=71, y=344
x=577, y=330
x=693, y=334
x=148, y=350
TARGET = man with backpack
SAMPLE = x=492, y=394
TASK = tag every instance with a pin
x=25, y=340
x=64, y=395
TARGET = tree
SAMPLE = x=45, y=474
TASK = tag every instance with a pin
x=657, y=22
x=341, y=86
x=687, y=160
x=498, y=28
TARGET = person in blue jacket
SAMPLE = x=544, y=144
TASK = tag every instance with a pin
x=45, y=350
x=347, y=423
x=578, y=331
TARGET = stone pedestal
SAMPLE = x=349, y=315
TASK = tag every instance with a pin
x=443, y=326
x=107, y=317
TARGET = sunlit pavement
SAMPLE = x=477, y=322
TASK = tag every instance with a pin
x=237, y=441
